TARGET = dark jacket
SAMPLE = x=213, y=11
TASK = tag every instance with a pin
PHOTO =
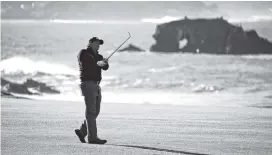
x=89, y=71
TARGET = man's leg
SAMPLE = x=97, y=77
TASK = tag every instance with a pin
x=92, y=110
x=82, y=131
x=90, y=113
x=98, y=102
x=83, y=127
x=89, y=91
x=92, y=99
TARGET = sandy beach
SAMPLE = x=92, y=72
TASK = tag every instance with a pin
x=47, y=127
x=189, y=78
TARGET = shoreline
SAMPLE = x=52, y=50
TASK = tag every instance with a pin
x=170, y=99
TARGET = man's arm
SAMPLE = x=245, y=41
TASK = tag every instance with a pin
x=106, y=66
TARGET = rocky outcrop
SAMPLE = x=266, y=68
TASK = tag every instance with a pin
x=215, y=36
x=131, y=48
x=41, y=87
x=9, y=95
x=8, y=87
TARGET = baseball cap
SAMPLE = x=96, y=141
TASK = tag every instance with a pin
x=96, y=39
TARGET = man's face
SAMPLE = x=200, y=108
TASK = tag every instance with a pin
x=95, y=45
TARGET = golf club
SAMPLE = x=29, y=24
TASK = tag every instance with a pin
x=119, y=47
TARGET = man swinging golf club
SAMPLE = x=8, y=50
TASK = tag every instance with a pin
x=90, y=64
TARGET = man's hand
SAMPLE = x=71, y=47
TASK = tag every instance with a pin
x=102, y=63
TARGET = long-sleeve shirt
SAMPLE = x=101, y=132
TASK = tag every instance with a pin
x=89, y=70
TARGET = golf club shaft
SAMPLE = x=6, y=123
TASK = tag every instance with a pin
x=119, y=46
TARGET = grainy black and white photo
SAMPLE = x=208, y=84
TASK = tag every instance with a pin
x=136, y=77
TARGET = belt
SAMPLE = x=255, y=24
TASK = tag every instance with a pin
x=96, y=82
x=92, y=81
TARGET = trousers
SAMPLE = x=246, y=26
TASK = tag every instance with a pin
x=92, y=98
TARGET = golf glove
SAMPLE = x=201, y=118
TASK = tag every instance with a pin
x=101, y=63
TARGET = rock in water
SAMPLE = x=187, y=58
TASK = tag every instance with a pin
x=131, y=48
x=41, y=87
x=9, y=95
x=8, y=87
x=214, y=36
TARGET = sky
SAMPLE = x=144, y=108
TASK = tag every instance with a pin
x=128, y=10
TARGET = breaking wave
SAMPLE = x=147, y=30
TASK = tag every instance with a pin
x=258, y=57
x=166, y=19
x=64, y=21
x=26, y=66
x=253, y=18
x=166, y=69
x=159, y=20
x=154, y=84
x=38, y=77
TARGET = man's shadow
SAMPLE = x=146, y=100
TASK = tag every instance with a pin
x=158, y=149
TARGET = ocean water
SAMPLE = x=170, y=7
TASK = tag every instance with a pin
x=47, y=52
